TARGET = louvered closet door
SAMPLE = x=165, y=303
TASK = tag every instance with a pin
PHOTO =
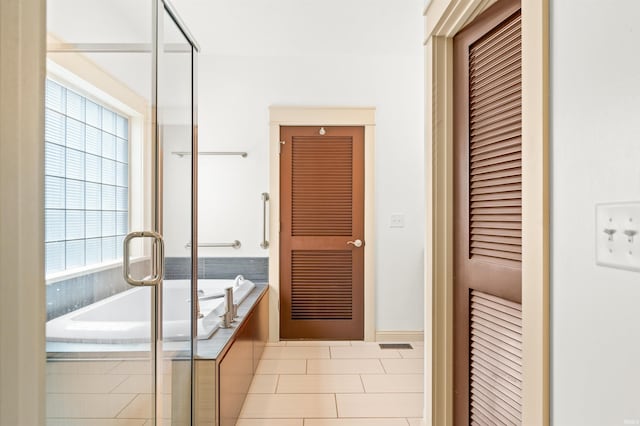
x=321, y=210
x=488, y=219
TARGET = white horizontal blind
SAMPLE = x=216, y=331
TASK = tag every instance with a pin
x=86, y=180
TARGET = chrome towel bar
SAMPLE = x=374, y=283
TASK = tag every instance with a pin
x=235, y=244
x=183, y=153
x=265, y=198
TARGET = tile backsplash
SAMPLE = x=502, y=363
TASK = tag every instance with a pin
x=253, y=268
x=74, y=293
x=68, y=295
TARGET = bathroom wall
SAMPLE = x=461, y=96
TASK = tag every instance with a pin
x=595, y=101
x=331, y=53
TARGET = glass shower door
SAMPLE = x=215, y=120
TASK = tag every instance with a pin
x=118, y=102
x=176, y=207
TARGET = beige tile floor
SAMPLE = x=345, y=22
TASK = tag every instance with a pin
x=297, y=384
x=336, y=384
x=102, y=393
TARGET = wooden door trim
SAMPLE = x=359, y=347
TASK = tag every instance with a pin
x=443, y=20
x=321, y=116
x=22, y=271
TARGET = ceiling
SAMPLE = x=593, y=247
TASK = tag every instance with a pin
x=303, y=27
x=239, y=28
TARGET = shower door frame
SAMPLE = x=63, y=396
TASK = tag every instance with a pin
x=158, y=190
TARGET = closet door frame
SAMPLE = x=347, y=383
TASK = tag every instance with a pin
x=443, y=20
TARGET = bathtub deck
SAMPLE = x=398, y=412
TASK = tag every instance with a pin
x=211, y=348
x=205, y=349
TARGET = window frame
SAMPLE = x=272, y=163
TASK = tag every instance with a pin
x=135, y=174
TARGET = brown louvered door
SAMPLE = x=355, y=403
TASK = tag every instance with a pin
x=321, y=211
x=488, y=219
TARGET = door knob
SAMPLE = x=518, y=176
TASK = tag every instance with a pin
x=357, y=243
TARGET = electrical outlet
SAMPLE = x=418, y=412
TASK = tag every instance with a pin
x=617, y=235
x=397, y=221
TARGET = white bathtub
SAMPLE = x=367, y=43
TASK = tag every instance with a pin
x=124, y=317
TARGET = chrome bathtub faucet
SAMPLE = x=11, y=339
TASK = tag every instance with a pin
x=228, y=315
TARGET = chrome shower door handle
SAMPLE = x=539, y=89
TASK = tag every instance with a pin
x=158, y=259
x=356, y=243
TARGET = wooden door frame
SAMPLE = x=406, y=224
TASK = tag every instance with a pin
x=443, y=20
x=321, y=116
x=22, y=259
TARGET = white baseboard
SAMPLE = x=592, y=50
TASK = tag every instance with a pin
x=399, y=336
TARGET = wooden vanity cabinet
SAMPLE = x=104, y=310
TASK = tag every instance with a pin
x=238, y=364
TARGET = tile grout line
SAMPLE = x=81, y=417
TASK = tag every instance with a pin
x=110, y=370
x=335, y=400
x=127, y=377
x=364, y=390
x=382, y=365
x=277, y=384
x=136, y=395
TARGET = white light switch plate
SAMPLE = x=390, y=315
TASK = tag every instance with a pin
x=618, y=235
x=397, y=221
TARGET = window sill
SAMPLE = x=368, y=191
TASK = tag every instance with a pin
x=78, y=272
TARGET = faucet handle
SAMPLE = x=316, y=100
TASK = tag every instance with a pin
x=237, y=280
x=227, y=319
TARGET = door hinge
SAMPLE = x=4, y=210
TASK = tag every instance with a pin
x=280, y=147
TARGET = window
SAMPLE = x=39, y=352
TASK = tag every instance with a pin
x=86, y=181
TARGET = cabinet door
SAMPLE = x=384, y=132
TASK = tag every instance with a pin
x=261, y=329
x=236, y=373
